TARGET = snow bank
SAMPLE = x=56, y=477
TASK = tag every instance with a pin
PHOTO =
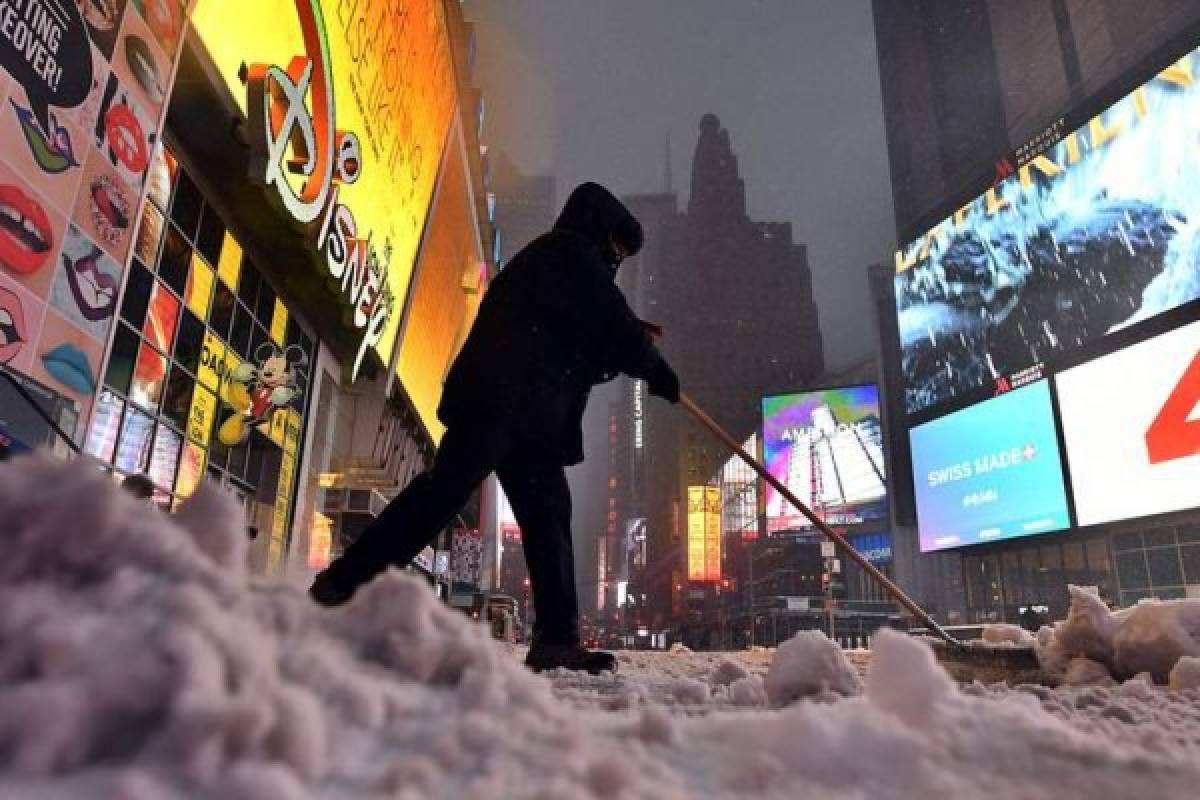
x=1004, y=634
x=1150, y=637
x=135, y=663
x=1185, y=674
x=807, y=664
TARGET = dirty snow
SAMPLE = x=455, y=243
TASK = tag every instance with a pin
x=136, y=663
x=1149, y=637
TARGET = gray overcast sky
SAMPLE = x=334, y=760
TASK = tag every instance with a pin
x=587, y=90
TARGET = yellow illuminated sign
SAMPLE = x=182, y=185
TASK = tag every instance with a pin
x=199, y=287
x=704, y=533
x=201, y=416
x=446, y=294
x=357, y=97
x=212, y=361
x=229, y=263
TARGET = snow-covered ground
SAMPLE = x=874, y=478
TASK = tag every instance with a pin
x=135, y=663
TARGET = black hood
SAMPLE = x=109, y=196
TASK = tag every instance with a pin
x=596, y=214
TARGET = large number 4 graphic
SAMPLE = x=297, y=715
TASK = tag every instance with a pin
x=1172, y=435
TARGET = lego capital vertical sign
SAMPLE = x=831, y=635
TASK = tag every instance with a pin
x=348, y=103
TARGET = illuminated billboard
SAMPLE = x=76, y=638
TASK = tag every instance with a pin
x=826, y=447
x=83, y=87
x=450, y=282
x=1132, y=444
x=704, y=533
x=1082, y=237
x=989, y=472
x=348, y=107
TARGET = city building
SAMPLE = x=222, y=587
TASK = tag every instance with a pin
x=728, y=356
x=260, y=251
x=998, y=117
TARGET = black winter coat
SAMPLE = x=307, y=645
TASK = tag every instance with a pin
x=551, y=325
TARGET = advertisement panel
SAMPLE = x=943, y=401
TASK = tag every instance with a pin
x=82, y=91
x=1133, y=445
x=989, y=472
x=1085, y=232
x=826, y=446
x=450, y=282
x=348, y=104
x=739, y=494
x=704, y=533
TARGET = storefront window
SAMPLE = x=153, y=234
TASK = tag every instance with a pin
x=193, y=313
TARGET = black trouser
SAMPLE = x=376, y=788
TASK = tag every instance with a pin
x=536, y=486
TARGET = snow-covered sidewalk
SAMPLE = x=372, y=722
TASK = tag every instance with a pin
x=135, y=663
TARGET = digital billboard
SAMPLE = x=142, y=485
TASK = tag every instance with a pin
x=989, y=472
x=1133, y=445
x=704, y=533
x=1087, y=231
x=349, y=104
x=826, y=447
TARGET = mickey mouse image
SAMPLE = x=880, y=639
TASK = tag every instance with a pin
x=256, y=392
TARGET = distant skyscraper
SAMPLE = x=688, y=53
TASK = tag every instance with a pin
x=735, y=299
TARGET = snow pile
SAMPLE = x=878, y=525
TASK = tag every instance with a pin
x=1004, y=634
x=135, y=663
x=1150, y=637
x=1185, y=674
x=808, y=664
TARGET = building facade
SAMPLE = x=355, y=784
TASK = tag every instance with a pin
x=988, y=104
x=264, y=272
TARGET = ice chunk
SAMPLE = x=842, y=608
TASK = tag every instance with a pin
x=1185, y=674
x=807, y=664
x=905, y=679
x=1007, y=634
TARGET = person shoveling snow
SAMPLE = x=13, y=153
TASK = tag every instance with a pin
x=551, y=326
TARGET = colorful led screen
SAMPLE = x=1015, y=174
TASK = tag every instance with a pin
x=1093, y=235
x=826, y=447
x=989, y=472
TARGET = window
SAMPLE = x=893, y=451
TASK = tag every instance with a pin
x=183, y=289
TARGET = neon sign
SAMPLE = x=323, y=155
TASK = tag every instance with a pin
x=292, y=144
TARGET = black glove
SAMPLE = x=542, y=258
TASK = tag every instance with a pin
x=663, y=382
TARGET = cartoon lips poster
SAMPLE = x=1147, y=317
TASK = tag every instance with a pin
x=26, y=233
x=139, y=62
x=13, y=333
x=165, y=18
x=21, y=317
x=30, y=234
x=46, y=158
x=86, y=287
x=125, y=133
x=67, y=359
x=103, y=18
x=104, y=208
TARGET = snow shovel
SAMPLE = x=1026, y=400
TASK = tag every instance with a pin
x=963, y=661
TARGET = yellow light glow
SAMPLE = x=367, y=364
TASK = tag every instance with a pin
x=393, y=87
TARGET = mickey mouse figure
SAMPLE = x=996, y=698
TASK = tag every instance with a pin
x=256, y=392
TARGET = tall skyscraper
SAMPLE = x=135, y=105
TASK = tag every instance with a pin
x=734, y=297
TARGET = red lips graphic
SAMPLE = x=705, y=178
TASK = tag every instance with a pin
x=126, y=138
x=110, y=209
x=12, y=325
x=26, y=237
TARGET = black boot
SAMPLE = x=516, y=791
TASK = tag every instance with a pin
x=326, y=593
x=575, y=657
